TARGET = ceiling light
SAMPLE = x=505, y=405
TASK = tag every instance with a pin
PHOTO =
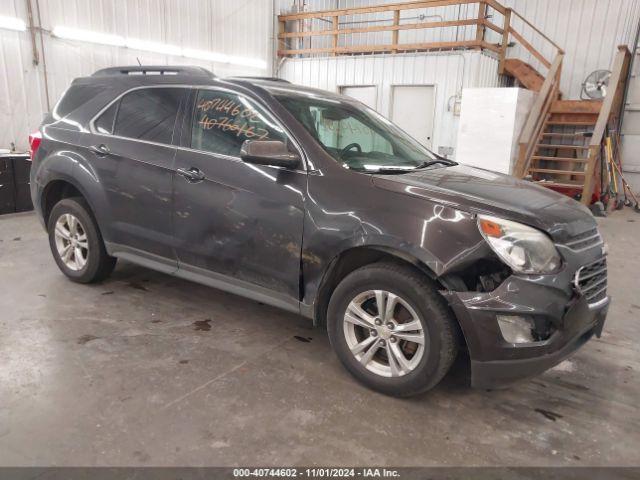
x=88, y=36
x=12, y=23
x=156, y=47
x=205, y=55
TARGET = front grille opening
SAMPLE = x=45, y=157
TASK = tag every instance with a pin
x=591, y=281
x=584, y=241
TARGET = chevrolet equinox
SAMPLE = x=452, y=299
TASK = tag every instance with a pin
x=314, y=203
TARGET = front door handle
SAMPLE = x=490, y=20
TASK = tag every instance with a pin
x=193, y=175
x=100, y=150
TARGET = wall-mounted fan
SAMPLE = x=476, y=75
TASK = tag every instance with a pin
x=595, y=85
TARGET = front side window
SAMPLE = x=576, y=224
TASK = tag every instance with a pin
x=148, y=114
x=356, y=136
x=223, y=121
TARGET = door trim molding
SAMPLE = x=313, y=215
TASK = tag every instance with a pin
x=205, y=277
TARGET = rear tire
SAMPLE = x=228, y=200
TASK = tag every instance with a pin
x=406, y=348
x=76, y=242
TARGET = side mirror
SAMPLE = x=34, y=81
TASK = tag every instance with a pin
x=268, y=152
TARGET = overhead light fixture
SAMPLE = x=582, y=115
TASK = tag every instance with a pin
x=89, y=36
x=12, y=23
x=156, y=47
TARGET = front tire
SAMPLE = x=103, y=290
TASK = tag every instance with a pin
x=76, y=242
x=391, y=329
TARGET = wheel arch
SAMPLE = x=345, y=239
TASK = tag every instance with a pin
x=63, y=177
x=355, y=257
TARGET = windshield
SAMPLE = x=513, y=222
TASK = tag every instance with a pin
x=357, y=136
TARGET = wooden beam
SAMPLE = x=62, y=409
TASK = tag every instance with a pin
x=617, y=76
x=589, y=174
x=591, y=107
x=492, y=26
x=506, y=27
x=537, y=116
x=490, y=46
x=529, y=47
x=395, y=35
x=282, y=27
x=618, y=79
x=336, y=27
x=375, y=9
x=496, y=6
x=538, y=31
x=381, y=28
x=482, y=13
x=402, y=47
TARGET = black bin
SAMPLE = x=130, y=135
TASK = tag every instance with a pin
x=15, y=194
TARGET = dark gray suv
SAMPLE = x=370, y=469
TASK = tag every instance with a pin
x=316, y=204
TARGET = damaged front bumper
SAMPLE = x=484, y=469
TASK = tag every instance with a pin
x=549, y=301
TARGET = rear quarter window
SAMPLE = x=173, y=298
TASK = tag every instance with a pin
x=75, y=97
x=104, y=123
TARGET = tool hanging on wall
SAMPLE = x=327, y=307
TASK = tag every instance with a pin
x=616, y=183
x=613, y=183
x=630, y=200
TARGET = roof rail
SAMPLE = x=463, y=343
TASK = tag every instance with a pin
x=269, y=79
x=154, y=70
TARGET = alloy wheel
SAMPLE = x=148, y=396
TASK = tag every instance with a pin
x=71, y=242
x=384, y=333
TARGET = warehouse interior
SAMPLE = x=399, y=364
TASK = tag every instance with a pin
x=149, y=368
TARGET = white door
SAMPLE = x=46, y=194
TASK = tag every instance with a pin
x=367, y=95
x=412, y=109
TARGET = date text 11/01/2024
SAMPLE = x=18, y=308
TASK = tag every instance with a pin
x=316, y=472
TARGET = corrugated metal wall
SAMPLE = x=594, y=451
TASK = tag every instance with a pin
x=588, y=30
x=449, y=72
x=241, y=27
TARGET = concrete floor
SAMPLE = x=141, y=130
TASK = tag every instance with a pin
x=147, y=369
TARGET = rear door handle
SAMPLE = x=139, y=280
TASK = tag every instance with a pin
x=100, y=150
x=192, y=174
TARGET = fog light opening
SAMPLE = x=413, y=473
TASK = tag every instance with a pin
x=516, y=329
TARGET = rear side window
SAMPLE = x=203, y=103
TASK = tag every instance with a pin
x=75, y=97
x=148, y=114
x=104, y=123
x=223, y=121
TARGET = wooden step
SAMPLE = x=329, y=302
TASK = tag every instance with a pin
x=562, y=135
x=558, y=172
x=528, y=76
x=570, y=123
x=546, y=183
x=575, y=147
x=559, y=159
x=577, y=106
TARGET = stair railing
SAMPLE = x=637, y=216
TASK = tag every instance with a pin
x=297, y=28
x=537, y=116
x=609, y=116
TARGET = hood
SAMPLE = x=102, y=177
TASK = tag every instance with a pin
x=476, y=190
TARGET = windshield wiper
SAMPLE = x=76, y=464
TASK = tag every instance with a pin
x=383, y=170
x=438, y=161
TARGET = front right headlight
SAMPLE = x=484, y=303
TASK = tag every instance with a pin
x=523, y=248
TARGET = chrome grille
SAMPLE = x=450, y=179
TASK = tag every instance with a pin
x=584, y=241
x=591, y=281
